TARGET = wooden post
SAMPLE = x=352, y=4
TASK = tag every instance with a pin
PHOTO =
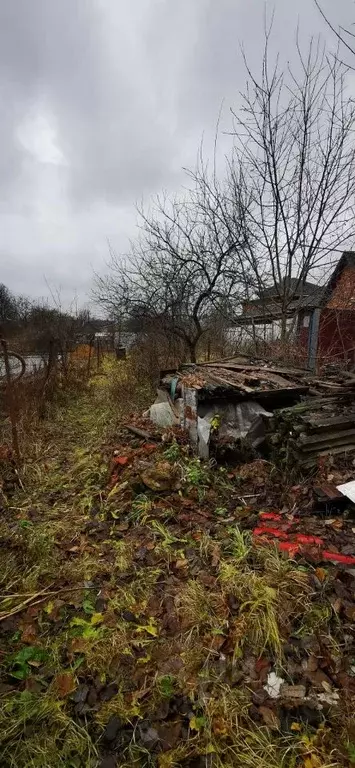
x=313, y=332
x=11, y=403
x=89, y=357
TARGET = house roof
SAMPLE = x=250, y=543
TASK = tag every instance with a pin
x=272, y=308
x=294, y=284
x=312, y=295
x=346, y=260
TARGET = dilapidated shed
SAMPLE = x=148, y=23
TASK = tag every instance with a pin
x=238, y=398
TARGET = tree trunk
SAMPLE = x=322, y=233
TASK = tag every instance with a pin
x=192, y=350
x=193, y=354
x=283, y=329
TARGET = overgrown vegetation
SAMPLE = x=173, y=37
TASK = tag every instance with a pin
x=140, y=628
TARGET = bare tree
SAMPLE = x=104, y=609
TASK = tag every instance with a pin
x=292, y=174
x=182, y=264
x=345, y=37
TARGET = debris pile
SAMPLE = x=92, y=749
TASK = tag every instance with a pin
x=230, y=403
x=309, y=430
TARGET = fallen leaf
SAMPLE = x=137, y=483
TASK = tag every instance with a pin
x=81, y=694
x=312, y=761
x=310, y=664
x=216, y=556
x=219, y=726
x=78, y=645
x=336, y=604
x=181, y=563
x=210, y=750
x=261, y=664
x=296, y=727
x=270, y=718
x=331, y=697
x=96, y=618
x=121, y=460
x=150, y=628
x=196, y=723
x=29, y=634
x=64, y=684
x=349, y=611
x=217, y=642
x=337, y=524
x=321, y=574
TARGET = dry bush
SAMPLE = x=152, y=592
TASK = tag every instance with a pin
x=35, y=397
x=134, y=380
x=129, y=388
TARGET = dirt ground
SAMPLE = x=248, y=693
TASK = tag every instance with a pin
x=143, y=624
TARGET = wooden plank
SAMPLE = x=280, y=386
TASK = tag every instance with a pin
x=297, y=390
x=229, y=383
x=282, y=371
x=141, y=433
x=309, y=405
x=314, y=425
x=311, y=461
x=277, y=379
x=331, y=385
x=338, y=438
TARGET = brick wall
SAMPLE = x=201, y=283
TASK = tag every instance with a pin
x=343, y=296
x=336, y=339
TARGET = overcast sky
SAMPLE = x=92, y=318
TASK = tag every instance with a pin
x=102, y=103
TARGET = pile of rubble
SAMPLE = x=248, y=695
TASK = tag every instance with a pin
x=315, y=428
x=286, y=413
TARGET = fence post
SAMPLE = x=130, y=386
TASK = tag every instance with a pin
x=98, y=354
x=313, y=339
x=89, y=358
x=11, y=403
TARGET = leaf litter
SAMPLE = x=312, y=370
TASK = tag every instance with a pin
x=145, y=624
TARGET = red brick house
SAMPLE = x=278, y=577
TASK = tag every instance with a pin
x=320, y=320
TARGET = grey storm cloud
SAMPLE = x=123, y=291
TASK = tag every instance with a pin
x=102, y=103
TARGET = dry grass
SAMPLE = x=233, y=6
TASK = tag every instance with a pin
x=271, y=591
x=199, y=608
x=129, y=385
x=164, y=630
x=35, y=731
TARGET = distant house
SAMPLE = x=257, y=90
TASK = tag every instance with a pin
x=320, y=320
